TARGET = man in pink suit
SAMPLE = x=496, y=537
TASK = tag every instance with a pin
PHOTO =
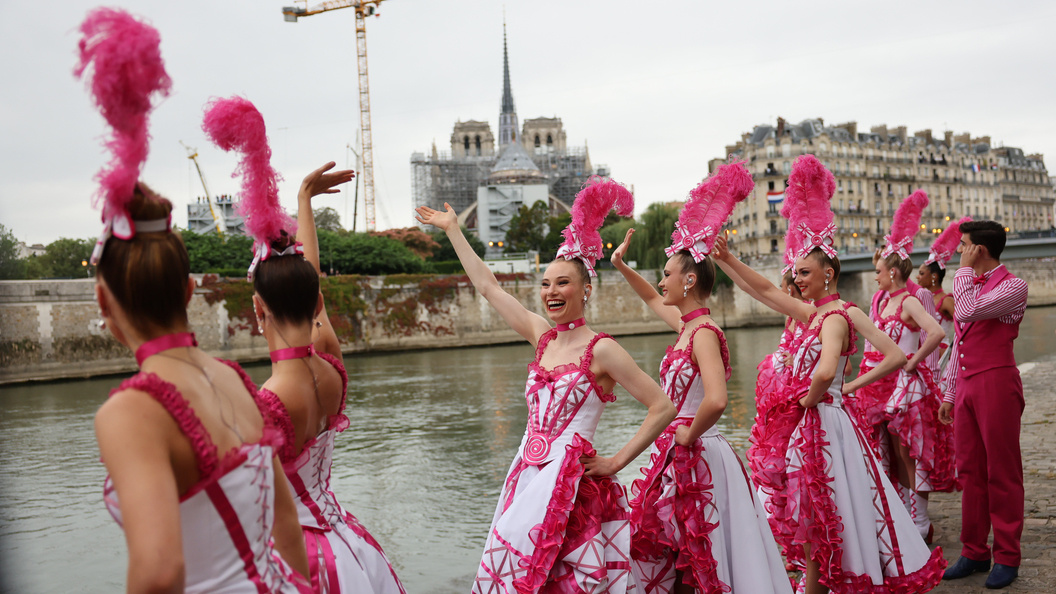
x=984, y=401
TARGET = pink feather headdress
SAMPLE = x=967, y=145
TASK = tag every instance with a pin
x=589, y=210
x=946, y=244
x=807, y=208
x=708, y=208
x=235, y=124
x=905, y=225
x=126, y=72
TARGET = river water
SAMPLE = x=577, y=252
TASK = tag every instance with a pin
x=432, y=435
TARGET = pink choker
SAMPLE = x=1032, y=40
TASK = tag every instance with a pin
x=163, y=343
x=899, y=292
x=696, y=313
x=825, y=300
x=571, y=325
x=299, y=352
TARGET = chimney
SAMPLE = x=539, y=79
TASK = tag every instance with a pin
x=851, y=128
x=780, y=127
x=881, y=130
x=948, y=134
x=901, y=133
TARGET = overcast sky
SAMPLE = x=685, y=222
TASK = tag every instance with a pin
x=656, y=88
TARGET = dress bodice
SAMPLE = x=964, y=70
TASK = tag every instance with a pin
x=226, y=518
x=308, y=471
x=562, y=402
x=788, y=338
x=807, y=352
x=907, y=338
x=680, y=376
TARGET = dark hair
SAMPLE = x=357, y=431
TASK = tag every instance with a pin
x=705, y=270
x=147, y=274
x=937, y=270
x=788, y=279
x=822, y=258
x=289, y=285
x=895, y=262
x=989, y=234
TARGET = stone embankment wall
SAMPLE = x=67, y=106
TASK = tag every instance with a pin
x=49, y=329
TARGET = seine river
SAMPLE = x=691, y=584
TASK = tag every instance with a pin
x=432, y=435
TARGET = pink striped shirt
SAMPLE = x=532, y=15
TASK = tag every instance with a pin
x=1007, y=302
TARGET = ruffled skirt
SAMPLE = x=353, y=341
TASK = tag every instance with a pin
x=833, y=495
x=767, y=385
x=685, y=514
x=346, y=558
x=912, y=414
x=557, y=531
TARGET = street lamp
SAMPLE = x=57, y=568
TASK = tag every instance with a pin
x=85, y=264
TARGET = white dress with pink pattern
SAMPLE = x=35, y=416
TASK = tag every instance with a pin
x=553, y=527
x=227, y=516
x=342, y=555
x=829, y=491
x=695, y=511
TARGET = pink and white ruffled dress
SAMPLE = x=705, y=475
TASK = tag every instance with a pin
x=342, y=555
x=911, y=412
x=771, y=371
x=227, y=516
x=695, y=511
x=553, y=527
x=830, y=491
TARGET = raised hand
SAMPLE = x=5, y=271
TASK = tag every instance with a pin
x=443, y=220
x=321, y=182
x=721, y=251
x=970, y=254
x=617, y=255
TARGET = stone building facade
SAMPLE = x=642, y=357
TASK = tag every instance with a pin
x=875, y=170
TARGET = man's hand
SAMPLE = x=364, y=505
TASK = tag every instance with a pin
x=946, y=413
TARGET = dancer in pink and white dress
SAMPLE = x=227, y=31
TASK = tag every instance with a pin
x=920, y=456
x=697, y=521
x=305, y=395
x=834, y=510
x=562, y=523
x=773, y=370
x=190, y=457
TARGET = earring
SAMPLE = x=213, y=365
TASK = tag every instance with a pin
x=260, y=325
x=585, y=299
x=826, y=284
x=318, y=324
x=685, y=290
x=892, y=274
x=101, y=324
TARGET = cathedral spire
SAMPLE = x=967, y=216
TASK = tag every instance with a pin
x=508, y=115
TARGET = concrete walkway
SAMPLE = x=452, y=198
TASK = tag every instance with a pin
x=1037, y=573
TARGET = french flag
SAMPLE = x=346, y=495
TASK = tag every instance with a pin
x=975, y=167
x=776, y=196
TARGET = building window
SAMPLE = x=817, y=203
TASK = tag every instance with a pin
x=786, y=150
x=769, y=151
x=537, y=141
x=770, y=186
x=465, y=143
x=549, y=140
x=478, y=144
x=786, y=166
x=822, y=147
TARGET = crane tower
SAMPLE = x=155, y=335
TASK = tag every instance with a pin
x=363, y=8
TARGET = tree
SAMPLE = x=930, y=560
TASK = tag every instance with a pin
x=327, y=218
x=653, y=234
x=65, y=258
x=208, y=252
x=11, y=266
x=363, y=253
x=446, y=253
x=419, y=242
x=554, y=238
x=528, y=228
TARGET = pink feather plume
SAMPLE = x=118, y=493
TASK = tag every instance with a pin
x=591, y=206
x=809, y=192
x=946, y=243
x=907, y=217
x=234, y=124
x=711, y=203
x=126, y=71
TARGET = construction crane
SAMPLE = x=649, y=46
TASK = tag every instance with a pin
x=218, y=217
x=364, y=8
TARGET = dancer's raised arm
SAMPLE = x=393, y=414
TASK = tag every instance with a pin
x=753, y=282
x=893, y=356
x=642, y=287
x=528, y=324
x=315, y=183
x=618, y=365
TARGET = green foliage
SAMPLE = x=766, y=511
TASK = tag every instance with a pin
x=327, y=218
x=615, y=232
x=11, y=266
x=209, y=253
x=554, y=239
x=419, y=242
x=653, y=234
x=361, y=253
x=528, y=228
x=446, y=253
x=63, y=258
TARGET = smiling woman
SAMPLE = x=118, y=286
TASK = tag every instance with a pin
x=561, y=512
